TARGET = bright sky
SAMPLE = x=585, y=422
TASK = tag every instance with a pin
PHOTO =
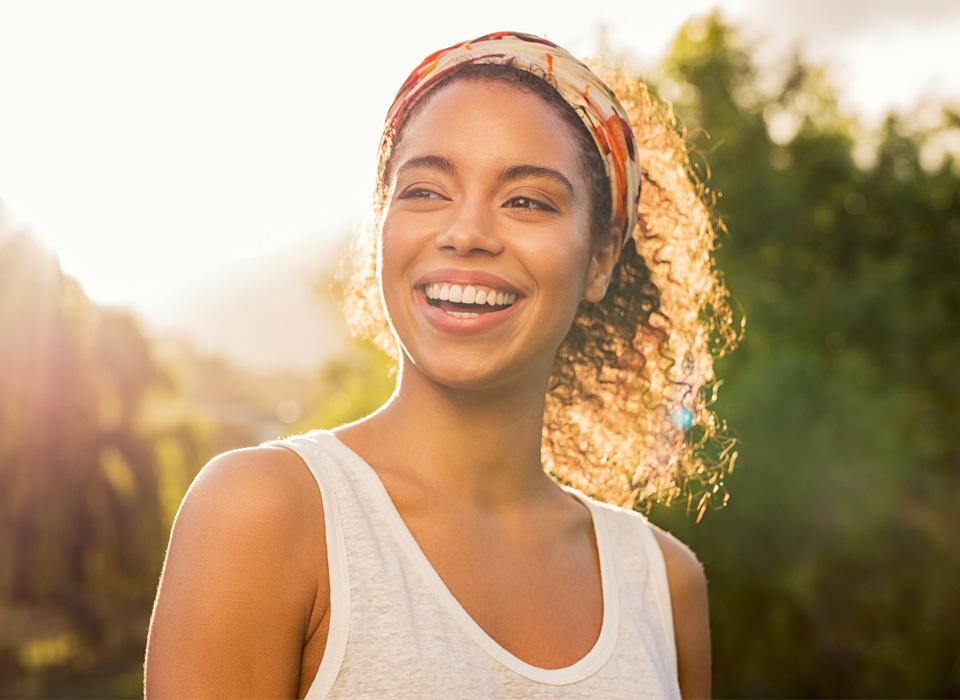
x=150, y=143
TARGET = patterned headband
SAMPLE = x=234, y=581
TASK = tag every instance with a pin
x=594, y=102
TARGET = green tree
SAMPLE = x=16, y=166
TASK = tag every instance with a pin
x=831, y=566
x=82, y=528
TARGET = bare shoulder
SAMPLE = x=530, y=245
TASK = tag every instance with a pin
x=691, y=616
x=242, y=577
x=258, y=508
x=684, y=571
x=253, y=481
x=244, y=499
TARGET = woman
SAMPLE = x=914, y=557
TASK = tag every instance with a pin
x=423, y=551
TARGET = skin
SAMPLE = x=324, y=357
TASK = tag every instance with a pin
x=486, y=179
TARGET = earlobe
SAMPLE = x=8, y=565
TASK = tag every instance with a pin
x=596, y=284
x=601, y=267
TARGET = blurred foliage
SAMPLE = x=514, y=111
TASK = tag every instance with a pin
x=102, y=431
x=82, y=526
x=349, y=388
x=832, y=569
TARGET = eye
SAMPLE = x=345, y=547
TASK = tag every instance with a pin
x=421, y=193
x=523, y=202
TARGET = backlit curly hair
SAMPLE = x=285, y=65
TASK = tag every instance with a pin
x=628, y=414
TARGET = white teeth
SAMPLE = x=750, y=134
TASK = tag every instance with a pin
x=463, y=314
x=468, y=295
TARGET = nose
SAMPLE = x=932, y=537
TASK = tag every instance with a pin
x=470, y=230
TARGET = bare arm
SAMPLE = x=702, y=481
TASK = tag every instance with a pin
x=691, y=617
x=243, y=580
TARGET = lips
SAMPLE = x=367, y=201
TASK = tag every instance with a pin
x=466, y=300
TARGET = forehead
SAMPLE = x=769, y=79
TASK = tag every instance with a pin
x=485, y=120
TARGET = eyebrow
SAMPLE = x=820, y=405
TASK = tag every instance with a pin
x=520, y=172
x=430, y=162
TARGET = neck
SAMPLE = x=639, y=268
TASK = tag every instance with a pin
x=480, y=446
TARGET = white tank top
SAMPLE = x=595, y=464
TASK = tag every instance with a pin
x=396, y=631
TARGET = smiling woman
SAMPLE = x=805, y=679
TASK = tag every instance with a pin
x=424, y=551
x=490, y=204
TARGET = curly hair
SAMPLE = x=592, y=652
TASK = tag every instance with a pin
x=628, y=411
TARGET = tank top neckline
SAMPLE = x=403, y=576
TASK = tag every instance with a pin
x=588, y=665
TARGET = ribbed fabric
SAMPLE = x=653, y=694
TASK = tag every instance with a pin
x=396, y=631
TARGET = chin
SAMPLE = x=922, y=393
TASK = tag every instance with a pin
x=460, y=372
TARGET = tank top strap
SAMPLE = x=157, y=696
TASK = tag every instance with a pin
x=317, y=449
x=641, y=571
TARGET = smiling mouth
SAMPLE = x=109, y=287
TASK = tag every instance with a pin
x=468, y=301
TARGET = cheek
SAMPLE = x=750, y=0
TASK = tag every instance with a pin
x=396, y=253
x=389, y=248
x=386, y=270
x=566, y=262
x=402, y=235
x=562, y=286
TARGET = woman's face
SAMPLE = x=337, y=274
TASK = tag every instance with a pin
x=486, y=250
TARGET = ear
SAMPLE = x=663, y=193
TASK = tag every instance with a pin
x=601, y=266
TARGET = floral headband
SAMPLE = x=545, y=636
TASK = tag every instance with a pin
x=594, y=102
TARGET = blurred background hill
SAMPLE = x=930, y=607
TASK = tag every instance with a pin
x=833, y=567
x=267, y=313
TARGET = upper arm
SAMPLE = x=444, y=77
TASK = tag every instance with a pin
x=240, y=581
x=691, y=617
